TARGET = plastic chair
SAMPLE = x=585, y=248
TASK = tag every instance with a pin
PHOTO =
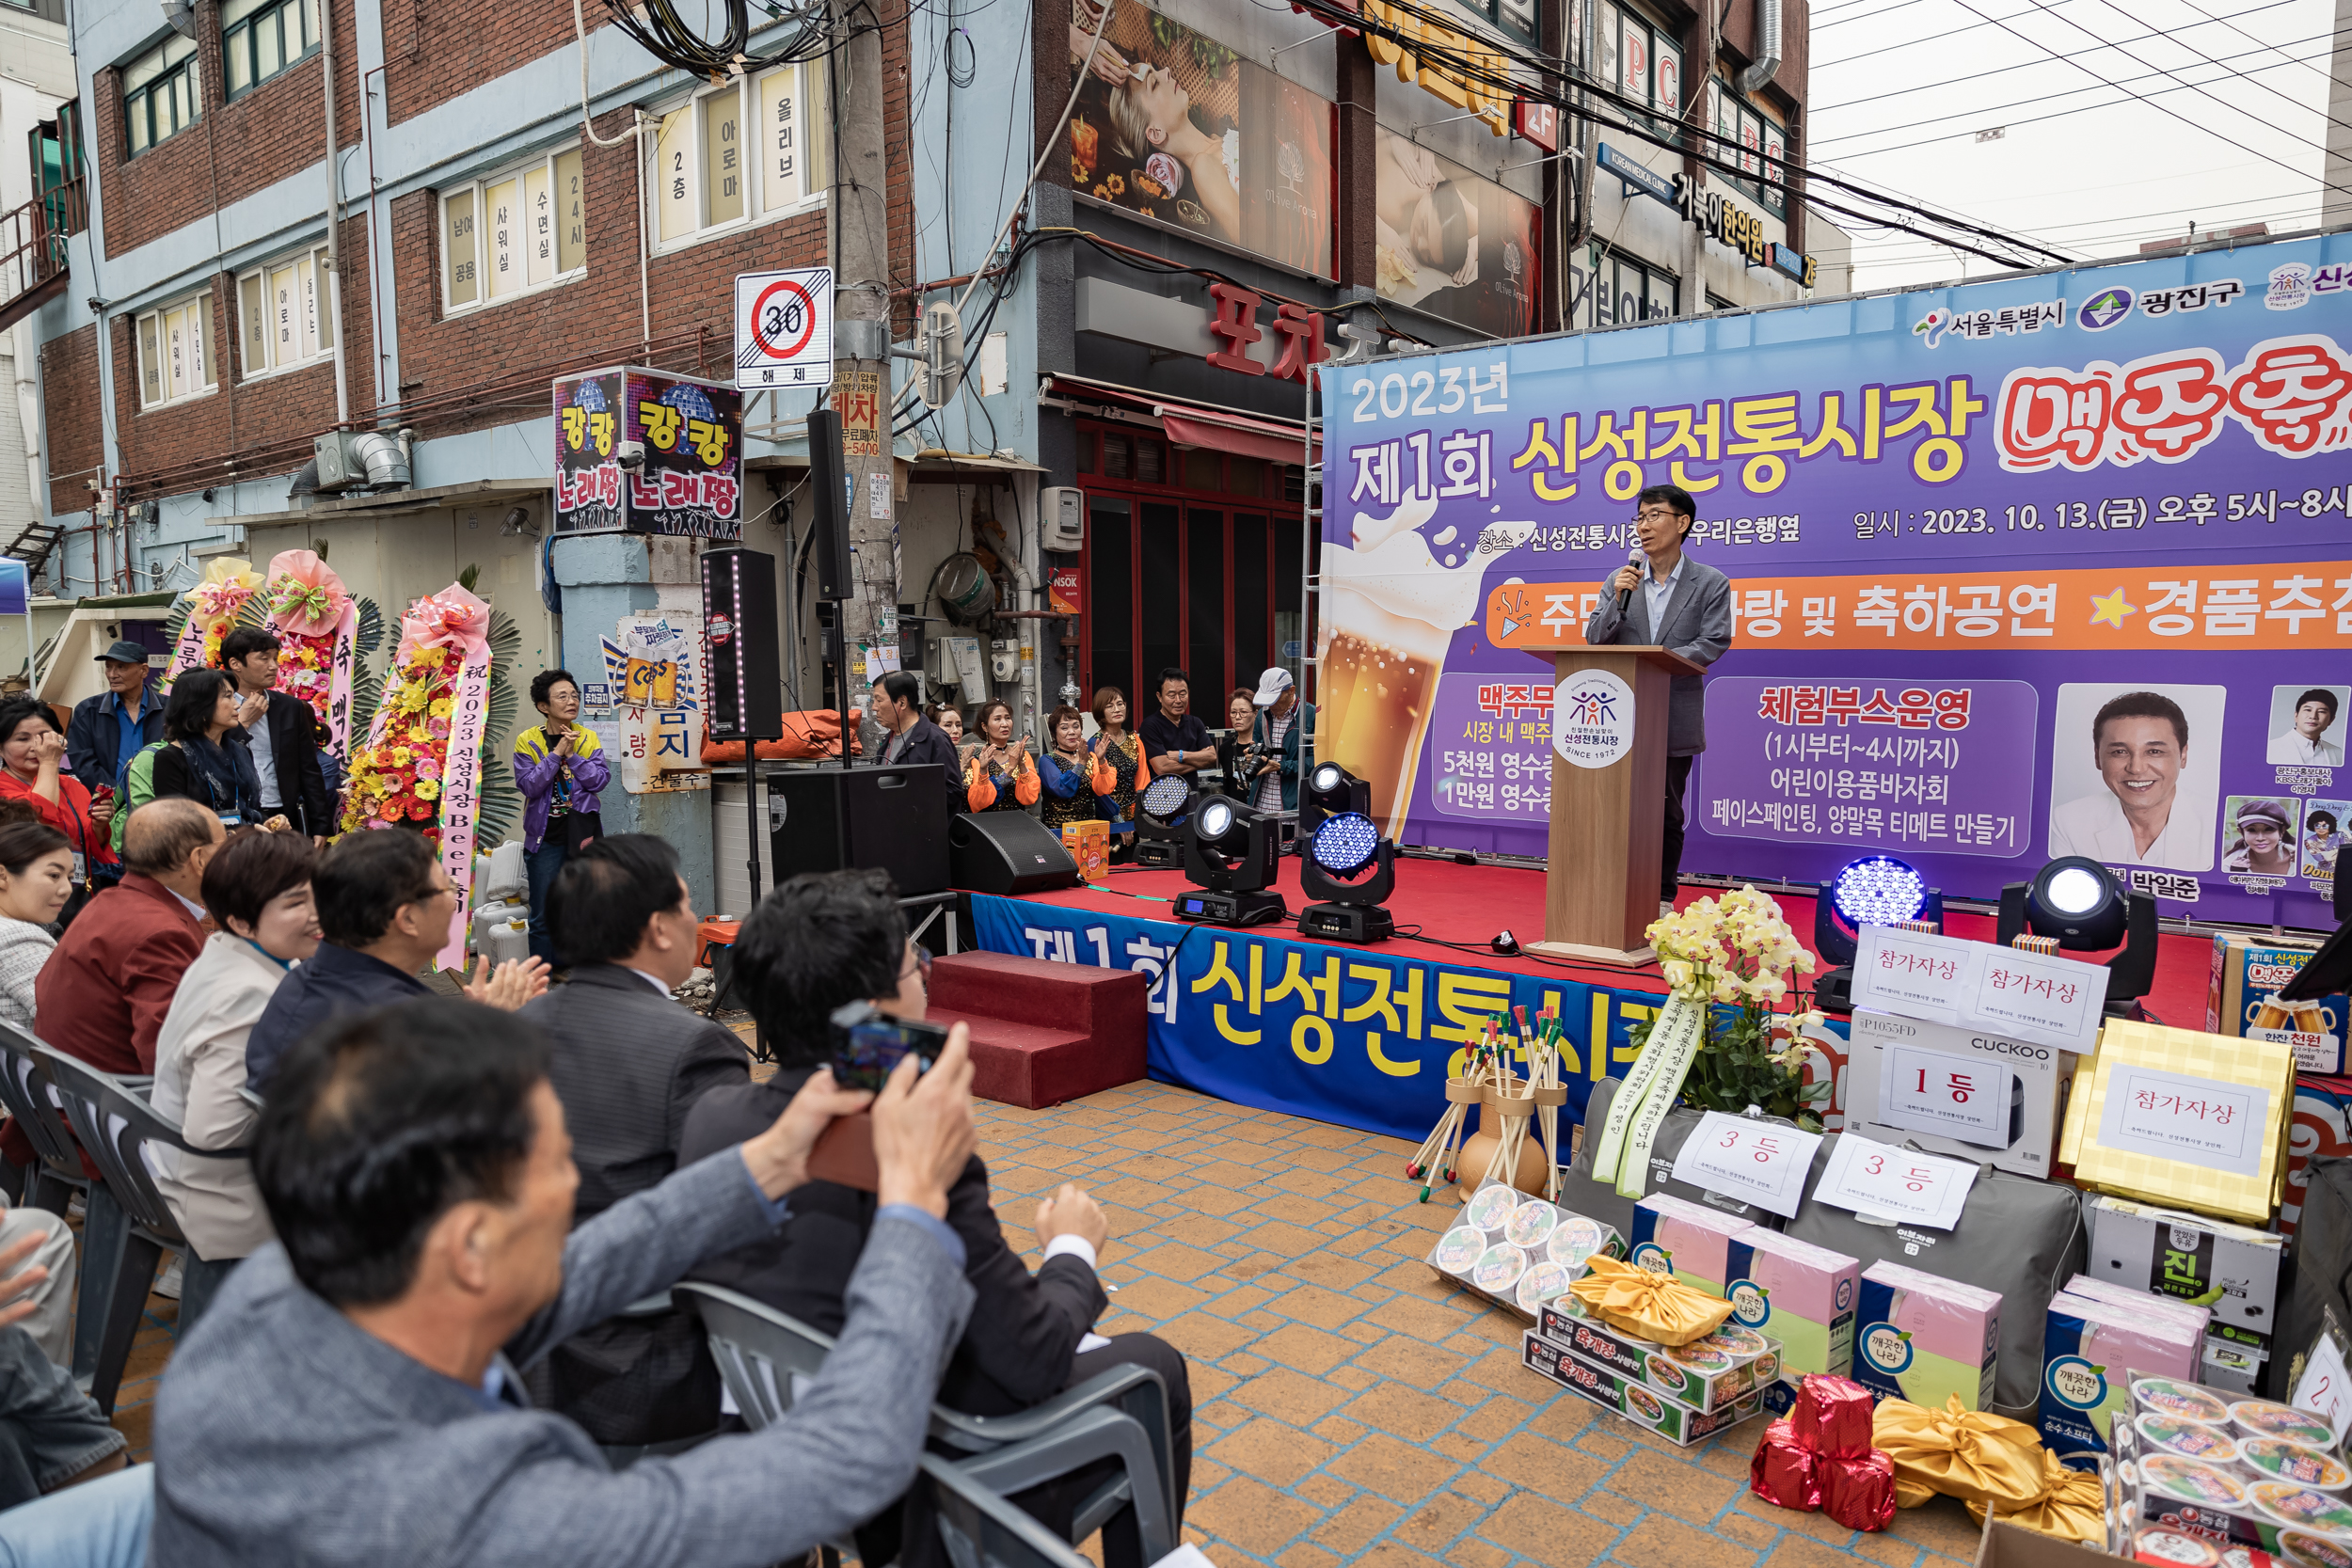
x=27, y=1098
x=1121, y=1414
x=115, y=1125
x=982, y=1527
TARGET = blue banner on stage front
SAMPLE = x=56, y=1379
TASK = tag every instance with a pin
x=1363, y=1038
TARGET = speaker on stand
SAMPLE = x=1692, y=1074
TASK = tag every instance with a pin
x=746, y=669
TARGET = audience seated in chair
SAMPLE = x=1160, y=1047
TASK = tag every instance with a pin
x=352, y=1396
x=104, y=992
x=629, y=1063
x=257, y=891
x=822, y=940
x=36, y=885
x=385, y=907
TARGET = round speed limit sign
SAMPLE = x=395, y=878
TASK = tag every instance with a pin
x=784, y=329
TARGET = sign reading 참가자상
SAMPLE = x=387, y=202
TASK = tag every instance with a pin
x=691, y=434
x=1983, y=541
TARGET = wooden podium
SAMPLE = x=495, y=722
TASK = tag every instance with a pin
x=1600, y=885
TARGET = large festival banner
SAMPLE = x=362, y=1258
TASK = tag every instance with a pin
x=2055, y=565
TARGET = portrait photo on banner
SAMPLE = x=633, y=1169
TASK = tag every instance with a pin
x=2307, y=724
x=2262, y=834
x=2135, y=774
x=1452, y=243
x=2323, y=835
x=1174, y=125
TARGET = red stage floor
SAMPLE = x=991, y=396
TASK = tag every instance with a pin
x=1457, y=910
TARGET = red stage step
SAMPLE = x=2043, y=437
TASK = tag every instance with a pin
x=1042, y=1033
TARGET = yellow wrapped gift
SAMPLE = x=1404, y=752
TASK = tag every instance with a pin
x=1647, y=1306
x=1973, y=1455
x=2182, y=1116
x=2073, y=1505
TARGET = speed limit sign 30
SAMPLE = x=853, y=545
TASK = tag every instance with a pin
x=784, y=329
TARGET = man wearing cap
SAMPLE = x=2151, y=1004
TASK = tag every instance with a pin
x=108, y=729
x=1281, y=720
x=2314, y=713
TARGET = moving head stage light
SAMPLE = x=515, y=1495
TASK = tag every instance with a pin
x=1343, y=847
x=1160, y=814
x=1876, y=889
x=1231, y=852
x=2087, y=909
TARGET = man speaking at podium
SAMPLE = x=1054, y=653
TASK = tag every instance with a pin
x=1684, y=606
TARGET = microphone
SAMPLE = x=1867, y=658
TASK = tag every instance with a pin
x=1624, y=595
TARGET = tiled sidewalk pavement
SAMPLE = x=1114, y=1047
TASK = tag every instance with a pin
x=1351, y=1409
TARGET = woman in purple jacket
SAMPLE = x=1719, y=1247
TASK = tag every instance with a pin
x=558, y=767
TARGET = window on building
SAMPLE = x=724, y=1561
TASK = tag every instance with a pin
x=1760, y=143
x=1641, y=59
x=261, y=37
x=522, y=229
x=743, y=154
x=1616, y=290
x=176, y=352
x=284, y=317
x=160, y=93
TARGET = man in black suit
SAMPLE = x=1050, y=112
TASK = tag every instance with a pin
x=281, y=731
x=628, y=1064
x=912, y=737
x=823, y=940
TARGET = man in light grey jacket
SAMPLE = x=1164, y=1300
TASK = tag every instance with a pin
x=1674, y=602
x=350, y=1397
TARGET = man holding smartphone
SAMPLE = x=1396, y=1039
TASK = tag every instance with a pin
x=817, y=942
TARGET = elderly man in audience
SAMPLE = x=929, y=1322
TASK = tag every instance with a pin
x=385, y=907
x=822, y=940
x=628, y=1062
x=352, y=1397
x=257, y=891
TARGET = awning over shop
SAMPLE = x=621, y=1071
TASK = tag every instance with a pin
x=1193, y=424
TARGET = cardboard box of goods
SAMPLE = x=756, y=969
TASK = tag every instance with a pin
x=2091, y=1350
x=1922, y=1338
x=2248, y=972
x=1798, y=1293
x=1516, y=1251
x=1629, y=1397
x=1673, y=1235
x=1954, y=1091
x=1725, y=1366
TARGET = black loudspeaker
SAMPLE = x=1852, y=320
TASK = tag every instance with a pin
x=892, y=819
x=1006, y=852
x=740, y=619
x=828, y=484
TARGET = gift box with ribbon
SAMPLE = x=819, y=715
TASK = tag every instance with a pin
x=1819, y=1458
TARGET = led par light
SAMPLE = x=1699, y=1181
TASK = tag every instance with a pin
x=2086, y=907
x=1160, y=814
x=1876, y=889
x=1230, y=849
x=1341, y=848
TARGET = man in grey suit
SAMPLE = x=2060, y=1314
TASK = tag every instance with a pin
x=1679, y=604
x=628, y=1064
x=351, y=1398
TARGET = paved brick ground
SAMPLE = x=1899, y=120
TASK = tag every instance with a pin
x=1350, y=1408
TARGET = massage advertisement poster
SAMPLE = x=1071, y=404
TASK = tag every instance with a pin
x=2053, y=564
x=1176, y=126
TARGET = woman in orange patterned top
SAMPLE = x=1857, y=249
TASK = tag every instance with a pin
x=1116, y=746
x=997, y=773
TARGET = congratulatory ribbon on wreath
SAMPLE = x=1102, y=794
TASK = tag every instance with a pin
x=1647, y=1094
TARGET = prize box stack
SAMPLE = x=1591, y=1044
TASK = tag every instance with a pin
x=2201, y=1473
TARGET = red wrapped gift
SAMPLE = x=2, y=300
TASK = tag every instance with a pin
x=1781, y=1472
x=1859, y=1494
x=1834, y=1416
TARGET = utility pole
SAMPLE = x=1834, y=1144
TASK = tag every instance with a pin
x=861, y=385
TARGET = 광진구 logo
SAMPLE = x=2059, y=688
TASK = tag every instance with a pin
x=1591, y=718
x=2104, y=308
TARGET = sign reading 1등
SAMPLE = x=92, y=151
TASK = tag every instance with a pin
x=784, y=329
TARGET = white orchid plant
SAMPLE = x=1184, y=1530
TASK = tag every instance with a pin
x=1735, y=956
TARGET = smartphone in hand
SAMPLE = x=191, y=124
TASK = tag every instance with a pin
x=867, y=1043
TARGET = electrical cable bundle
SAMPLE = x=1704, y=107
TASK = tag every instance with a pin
x=664, y=34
